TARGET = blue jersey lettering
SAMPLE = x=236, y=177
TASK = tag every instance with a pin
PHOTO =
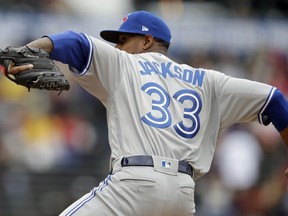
x=178, y=72
x=148, y=68
x=187, y=76
x=198, y=77
x=166, y=70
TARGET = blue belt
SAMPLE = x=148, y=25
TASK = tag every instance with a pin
x=147, y=160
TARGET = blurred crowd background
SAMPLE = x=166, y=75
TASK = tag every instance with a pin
x=54, y=149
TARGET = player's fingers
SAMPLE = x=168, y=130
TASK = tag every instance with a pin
x=2, y=69
x=18, y=69
x=286, y=172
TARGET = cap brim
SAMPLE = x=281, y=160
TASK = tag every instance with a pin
x=110, y=35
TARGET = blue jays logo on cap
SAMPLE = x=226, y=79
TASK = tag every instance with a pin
x=124, y=19
x=140, y=22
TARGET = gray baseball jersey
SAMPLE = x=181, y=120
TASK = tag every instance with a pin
x=156, y=106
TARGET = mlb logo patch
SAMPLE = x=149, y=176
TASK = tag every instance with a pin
x=166, y=164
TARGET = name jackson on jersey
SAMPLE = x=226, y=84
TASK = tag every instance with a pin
x=166, y=69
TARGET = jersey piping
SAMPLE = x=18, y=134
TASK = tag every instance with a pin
x=260, y=117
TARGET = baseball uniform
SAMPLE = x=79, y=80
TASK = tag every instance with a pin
x=161, y=116
x=161, y=108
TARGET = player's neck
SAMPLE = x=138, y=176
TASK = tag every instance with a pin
x=158, y=49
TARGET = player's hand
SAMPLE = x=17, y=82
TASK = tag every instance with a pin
x=286, y=172
x=17, y=69
x=2, y=69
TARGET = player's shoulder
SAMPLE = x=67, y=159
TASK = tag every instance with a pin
x=214, y=74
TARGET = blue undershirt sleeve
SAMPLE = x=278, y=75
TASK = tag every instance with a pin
x=71, y=48
x=277, y=111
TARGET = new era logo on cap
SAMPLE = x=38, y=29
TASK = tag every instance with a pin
x=144, y=28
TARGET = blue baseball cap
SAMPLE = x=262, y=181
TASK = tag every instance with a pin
x=139, y=22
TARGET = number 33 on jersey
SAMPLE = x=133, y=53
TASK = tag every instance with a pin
x=160, y=116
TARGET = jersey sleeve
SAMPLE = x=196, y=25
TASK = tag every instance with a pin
x=97, y=66
x=275, y=110
x=71, y=48
x=106, y=68
x=108, y=64
x=240, y=100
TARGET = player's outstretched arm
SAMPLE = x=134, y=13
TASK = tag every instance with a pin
x=42, y=43
x=32, y=68
x=67, y=47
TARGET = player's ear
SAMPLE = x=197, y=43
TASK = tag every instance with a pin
x=148, y=41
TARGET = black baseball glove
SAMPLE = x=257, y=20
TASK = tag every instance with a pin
x=44, y=74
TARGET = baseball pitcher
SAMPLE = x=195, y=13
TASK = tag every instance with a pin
x=163, y=117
